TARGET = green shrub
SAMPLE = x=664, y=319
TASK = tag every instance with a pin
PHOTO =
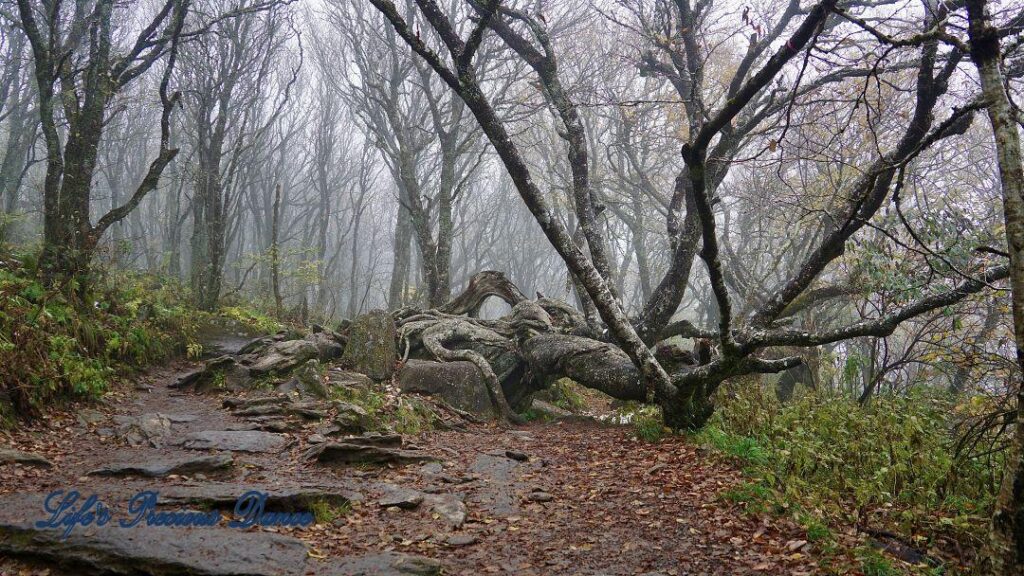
x=754, y=496
x=411, y=416
x=873, y=563
x=324, y=512
x=649, y=428
x=890, y=459
x=65, y=343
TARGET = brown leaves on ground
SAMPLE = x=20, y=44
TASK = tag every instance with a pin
x=555, y=498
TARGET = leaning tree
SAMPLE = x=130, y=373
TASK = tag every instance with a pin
x=789, y=60
x=806, y=53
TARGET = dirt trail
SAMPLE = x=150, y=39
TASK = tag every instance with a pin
x=544, y=498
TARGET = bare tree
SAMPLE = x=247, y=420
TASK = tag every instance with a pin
x=78, y=70
x=17, y=117
x=771, y=79
x=229, y=77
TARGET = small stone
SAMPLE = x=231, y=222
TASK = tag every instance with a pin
x=457, y=540
x=451, y=508
x=143, y=429
x=540, y=497
x=517, y=456
x=89, y=416
x=351, y=418
x=316, y=439
x=404, y=498
x=432, y=468
x=8, y=456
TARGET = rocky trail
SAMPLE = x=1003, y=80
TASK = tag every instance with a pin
x=570, y=496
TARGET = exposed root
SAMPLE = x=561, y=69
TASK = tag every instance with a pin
x=434, y=334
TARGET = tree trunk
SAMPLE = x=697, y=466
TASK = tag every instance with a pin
x=400, y=267
x=275, y=251
x=1007, y=543
x=208, y=224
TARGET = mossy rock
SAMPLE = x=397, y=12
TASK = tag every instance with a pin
x=372, y=345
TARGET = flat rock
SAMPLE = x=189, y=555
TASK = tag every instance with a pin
x=260, y=410
x=279, y=425
x=158, y=467
x=307, y=413
x=374, y=439
x=241, y=403
x=348, y=379
x=179, y=418
x=236, y=441
x=449, y=507
x=341, y=454
x=8, y=456
x=223, y=495
x=404, y=498
x=497, y=473
x=163, y=551
x=382, y=564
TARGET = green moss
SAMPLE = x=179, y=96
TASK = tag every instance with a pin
x=411, y=416
x=326, y=512
x=531, y=415
x=255, y=321
x=565, y=394
x=649, y=427
x=755, y=497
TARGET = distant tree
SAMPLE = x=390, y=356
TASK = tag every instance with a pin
x=229, y=107
x=19, y=121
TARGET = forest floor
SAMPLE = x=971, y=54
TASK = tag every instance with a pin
x=569, y=497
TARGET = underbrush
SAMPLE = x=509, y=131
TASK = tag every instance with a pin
x=65, y=343
x=889, y=466
x=70, y=343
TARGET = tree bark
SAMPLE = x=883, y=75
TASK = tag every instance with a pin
x=87, y=88
x=1007, y=542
